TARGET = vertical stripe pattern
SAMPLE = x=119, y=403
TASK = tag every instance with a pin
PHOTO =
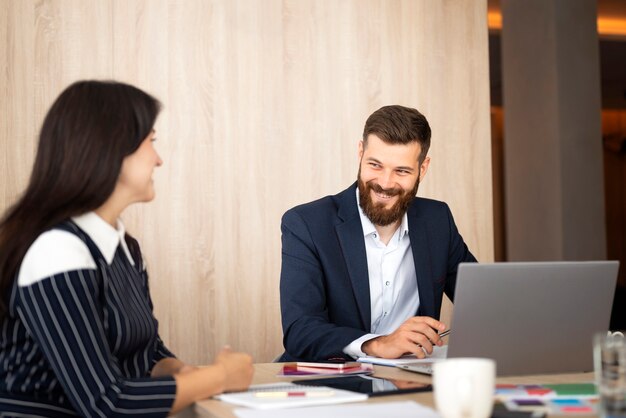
x=83, y=342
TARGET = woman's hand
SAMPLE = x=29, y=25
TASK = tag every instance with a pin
x=231, y=371
x=237, y=368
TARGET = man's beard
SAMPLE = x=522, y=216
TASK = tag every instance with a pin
x=376, y=212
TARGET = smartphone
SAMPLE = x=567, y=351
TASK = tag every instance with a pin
x=335, y=366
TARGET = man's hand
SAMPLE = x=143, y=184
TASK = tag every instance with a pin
x=416, y=335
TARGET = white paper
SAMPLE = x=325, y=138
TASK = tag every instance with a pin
x=404, y=409
x=439, y=353
x=249, y=399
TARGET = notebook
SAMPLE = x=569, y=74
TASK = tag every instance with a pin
x=532, y=318
x=289, y=395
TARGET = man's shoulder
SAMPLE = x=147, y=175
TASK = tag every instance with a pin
x=429, y=208
x=424, y=202
x=322, y=204
x=321, y=208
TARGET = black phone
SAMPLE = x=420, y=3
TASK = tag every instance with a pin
x=372, y=386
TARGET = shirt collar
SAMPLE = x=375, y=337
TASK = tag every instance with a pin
x=104, y=235
x=370, y=228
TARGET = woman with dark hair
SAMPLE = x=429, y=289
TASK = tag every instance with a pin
x=77, y=333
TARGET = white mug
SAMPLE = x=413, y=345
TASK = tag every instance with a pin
x=464, y=387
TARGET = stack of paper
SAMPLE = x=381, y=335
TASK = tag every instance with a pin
x=405, y=409
x=439, y=353
x=288, y=395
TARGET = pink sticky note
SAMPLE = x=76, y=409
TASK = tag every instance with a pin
x=538, y=391
x=577, y=409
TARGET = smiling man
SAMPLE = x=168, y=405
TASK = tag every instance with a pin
x=364, y=271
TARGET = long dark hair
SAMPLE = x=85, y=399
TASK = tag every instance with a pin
x=84, y=138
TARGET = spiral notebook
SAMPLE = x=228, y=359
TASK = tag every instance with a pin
x=289, y=395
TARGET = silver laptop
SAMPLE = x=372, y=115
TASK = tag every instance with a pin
x=532, y=318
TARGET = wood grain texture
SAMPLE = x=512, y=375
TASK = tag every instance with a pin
x=264, y=105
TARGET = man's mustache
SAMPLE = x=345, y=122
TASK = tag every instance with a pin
x=378, y=189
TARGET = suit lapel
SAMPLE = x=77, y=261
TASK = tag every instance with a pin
x=350, y=234
x=421, y=258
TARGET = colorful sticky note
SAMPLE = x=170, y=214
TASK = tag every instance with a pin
x=570, y=409
x=528, y=402
x=567, y=402
x=510, y=391
x=538, y=391
x=573, y=389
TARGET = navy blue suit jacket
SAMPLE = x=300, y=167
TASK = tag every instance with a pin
x=324, y=282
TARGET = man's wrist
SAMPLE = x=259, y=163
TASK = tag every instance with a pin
x=354, y=349
x=369, y=347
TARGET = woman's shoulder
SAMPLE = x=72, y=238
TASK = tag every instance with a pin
x=53, y=252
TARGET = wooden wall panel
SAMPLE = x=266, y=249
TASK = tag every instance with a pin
x=264, y=105
x=17, y=125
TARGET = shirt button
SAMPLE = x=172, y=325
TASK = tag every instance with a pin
x=385, y=313
x=387, y=283
x=375, y=236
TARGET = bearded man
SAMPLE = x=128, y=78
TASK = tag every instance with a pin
x=364, y=271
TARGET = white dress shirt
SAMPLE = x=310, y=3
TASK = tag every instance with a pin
x=394, y=297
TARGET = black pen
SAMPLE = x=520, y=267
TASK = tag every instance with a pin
x=446, y=332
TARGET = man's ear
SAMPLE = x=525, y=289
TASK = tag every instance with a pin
x=424, y=168
x=361, y=149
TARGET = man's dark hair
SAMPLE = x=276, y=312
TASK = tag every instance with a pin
x=399, y=125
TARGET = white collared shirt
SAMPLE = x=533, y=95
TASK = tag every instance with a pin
x=394, y=296
x=56, y=251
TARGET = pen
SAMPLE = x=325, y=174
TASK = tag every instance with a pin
x=294, y=394
x=443, y=334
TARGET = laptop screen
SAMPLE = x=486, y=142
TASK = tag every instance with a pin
x=532, y=318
